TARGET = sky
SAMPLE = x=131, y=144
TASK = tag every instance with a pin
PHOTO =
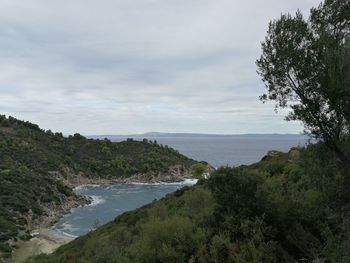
x=126, y=67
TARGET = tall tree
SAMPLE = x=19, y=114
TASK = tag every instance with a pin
x=305, y=66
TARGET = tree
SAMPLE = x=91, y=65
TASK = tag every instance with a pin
x=305, y=65
x=198, y=169
x=96, y=224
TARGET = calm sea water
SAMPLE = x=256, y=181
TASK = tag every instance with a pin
x=219, y=150
x=108, y=202
x=113, y=200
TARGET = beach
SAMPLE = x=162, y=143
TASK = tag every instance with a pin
x=46, y=242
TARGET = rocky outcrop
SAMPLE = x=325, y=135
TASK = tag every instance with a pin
x=176, y=173
x=53, y=212
x=294, y=154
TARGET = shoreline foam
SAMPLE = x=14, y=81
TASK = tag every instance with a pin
x=184, y=182
x=50, y=238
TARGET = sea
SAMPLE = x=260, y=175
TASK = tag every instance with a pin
x=109, y=201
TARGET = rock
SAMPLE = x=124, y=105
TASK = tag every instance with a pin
x=271, y=154
x=294, y=154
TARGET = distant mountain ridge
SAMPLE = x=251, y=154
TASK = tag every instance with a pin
x=165, y=134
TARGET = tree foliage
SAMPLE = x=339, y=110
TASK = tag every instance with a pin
x=305, y=65
x=198, y=169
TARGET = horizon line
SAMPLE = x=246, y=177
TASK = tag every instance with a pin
x=192, y=133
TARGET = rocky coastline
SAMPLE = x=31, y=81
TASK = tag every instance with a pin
x=176, y=173
x=53, y=212
x=46, y=241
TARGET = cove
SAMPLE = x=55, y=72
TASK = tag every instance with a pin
x=109, y=201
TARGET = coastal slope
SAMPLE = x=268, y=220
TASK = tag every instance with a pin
x=289, y=207
x=38, y=169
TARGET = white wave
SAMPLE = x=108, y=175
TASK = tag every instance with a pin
x=65, y=226
x=84, y=186
x=137, y=183
x=96, y=199
x=190, y=181
x=185, y=182
x=62, y=233
x=60, y=230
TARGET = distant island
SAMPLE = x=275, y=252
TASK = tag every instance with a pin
x=165, y=134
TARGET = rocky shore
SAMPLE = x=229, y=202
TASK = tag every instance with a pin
x=175, y=174
x=48, y=240
x=52, y=213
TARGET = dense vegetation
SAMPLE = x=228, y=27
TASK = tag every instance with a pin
x=290, y=207
x=23, y=195
x=34, y=162
x=24, y=143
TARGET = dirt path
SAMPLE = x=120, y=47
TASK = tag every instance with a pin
x=47, y=241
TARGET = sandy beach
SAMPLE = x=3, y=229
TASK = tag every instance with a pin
x=46, y=242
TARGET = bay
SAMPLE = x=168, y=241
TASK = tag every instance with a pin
x=110, y=201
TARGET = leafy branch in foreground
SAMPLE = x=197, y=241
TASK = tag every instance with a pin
x=305, y=65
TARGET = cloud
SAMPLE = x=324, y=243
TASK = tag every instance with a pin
x=111, y=67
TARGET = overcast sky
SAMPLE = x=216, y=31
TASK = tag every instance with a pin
x=122, y=66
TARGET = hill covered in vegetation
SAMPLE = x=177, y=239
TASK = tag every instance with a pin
x=38, y=168
x=289, y=207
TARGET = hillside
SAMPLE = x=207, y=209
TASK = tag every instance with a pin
x=38, y=169
x=289, y=207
